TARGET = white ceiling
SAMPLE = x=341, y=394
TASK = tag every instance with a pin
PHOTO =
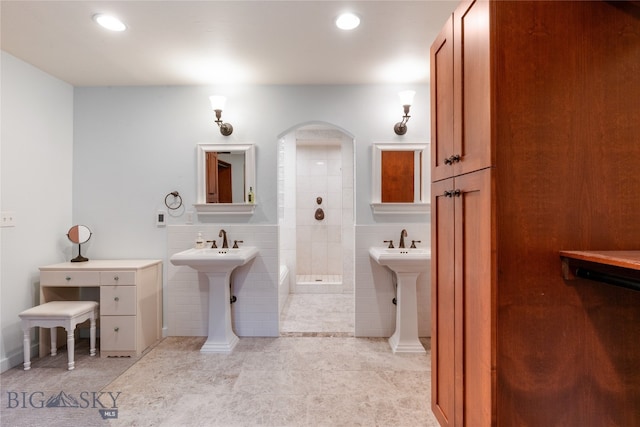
x=225, y=42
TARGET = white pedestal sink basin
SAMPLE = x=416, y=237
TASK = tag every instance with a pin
x=408, y=264
x=217, y=264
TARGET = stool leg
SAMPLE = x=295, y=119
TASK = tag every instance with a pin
x=26, y=346
x=54, y=341
x=70, y=348
x=92, y=337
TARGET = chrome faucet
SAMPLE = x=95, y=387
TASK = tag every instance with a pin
x=403, y=234
x=223, y=234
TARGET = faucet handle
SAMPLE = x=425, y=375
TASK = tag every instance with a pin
x=235, y=243
x=213, y=244
x=390, y=242
x=413, y=243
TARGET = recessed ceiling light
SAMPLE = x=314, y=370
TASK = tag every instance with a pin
x=347, y=21
x=109, y=22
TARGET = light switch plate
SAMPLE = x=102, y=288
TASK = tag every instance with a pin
x=161, y=218
x=8, y=219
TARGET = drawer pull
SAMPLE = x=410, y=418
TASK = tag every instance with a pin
x=67, y=278
x=116, y=278
x=453, y=159
x=116, y=329
x=116, y=299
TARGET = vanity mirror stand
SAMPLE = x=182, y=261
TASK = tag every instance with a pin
x=79, y=234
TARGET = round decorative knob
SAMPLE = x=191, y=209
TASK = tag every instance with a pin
x=116, y=299
x=67, y=278
x=116, y=329
x=116, y=278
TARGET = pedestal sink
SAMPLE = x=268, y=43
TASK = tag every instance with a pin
x=407, y=264
x=217, y=264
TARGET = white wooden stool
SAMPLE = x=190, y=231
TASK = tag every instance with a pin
x=66, y=314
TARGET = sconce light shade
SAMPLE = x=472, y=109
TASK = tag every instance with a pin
x=217, y=104
x=406, y=98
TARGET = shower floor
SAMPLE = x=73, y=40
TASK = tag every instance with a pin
x=332, y=279
x=318, y=284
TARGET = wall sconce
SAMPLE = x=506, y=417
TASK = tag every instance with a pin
x=217, y=103
x=406, y=97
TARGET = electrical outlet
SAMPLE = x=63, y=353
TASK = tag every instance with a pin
x=8, y=219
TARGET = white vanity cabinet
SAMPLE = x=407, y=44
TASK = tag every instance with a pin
x=130, y=297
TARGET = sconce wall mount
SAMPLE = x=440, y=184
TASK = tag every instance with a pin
x=406, y=97
x=217, y=104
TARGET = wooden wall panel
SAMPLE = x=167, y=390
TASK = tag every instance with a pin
x=566, y=121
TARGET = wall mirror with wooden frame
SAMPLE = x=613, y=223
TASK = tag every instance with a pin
x=226, y=175
x=399, y=178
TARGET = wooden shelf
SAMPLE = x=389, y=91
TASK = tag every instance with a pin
x=620, y=268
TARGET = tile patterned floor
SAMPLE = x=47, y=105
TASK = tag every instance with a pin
x=317, y=375
x=285, y=381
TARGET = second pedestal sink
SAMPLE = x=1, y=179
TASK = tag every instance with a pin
x=217, y=264
x=407, y=264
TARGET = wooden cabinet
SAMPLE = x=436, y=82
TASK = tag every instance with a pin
x=460, y=122
x=130, y=297
x=534, y=142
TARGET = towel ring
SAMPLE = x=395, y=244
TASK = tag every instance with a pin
x=173, y=206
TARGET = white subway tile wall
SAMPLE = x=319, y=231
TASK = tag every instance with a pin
x=255, y=284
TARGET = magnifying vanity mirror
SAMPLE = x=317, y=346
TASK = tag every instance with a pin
x=79, y=234
x=399, y=178
x=226, y=178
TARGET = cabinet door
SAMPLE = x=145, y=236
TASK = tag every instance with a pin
x=472, y=87
x=462, y=361
x=474, y=300
x=443, y=337
x=442, y=103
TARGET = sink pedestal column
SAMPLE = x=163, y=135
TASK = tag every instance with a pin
x=221, y=338
x=405, y=338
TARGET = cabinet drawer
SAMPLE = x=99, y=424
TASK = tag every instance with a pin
x=117, y=277
x=69, y=278
x=117, y=333
x=117, y=300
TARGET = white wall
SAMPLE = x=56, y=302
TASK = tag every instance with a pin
x=134, y=145
x=106, y=157
x=36, y=154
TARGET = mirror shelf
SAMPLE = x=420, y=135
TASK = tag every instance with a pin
x=401, y=208
x=224, y=208
x=242, y=185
